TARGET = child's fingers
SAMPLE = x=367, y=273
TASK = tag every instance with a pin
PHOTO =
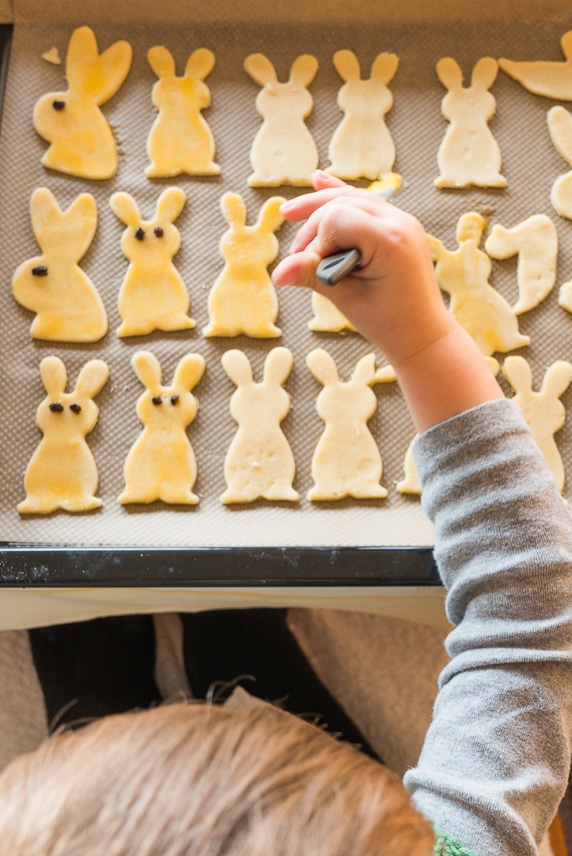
x=298, y=269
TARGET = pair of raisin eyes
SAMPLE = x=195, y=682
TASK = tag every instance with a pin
x=56, y=407
x=140, y=234
x=158, y=400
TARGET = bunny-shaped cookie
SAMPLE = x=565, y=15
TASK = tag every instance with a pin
x=161, y=463
x=243, y=298
x=560, y=129
x=543, y=411
x=464, y=274
x=469, y=154
x=346, y=461
x=153, y=295
x=67, y=304
x=259, y=463
x=81, y=140
x=62, y=471
x=362, y=145
x=180, y=140
x=283, y=151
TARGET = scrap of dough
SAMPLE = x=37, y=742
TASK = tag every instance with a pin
x=535, y=240
x=362, y=145
x=52, y=56
x=283, y=150
x=243, y=298
x=327, y=317
x=543, y=411
x=464, y=275
x=161, y=463
x=67, y=304
x=560, y=129
x=180, y=140
x=551, y=79
x=62, y=472
x=346, y=461
x=81, y=140
x=469, y=154
x=259, y=463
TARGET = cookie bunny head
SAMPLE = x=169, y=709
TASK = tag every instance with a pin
x=341, y=401
x=268, y=396
x=150, y=242
x=275, y=97
x=81, y=140
x=164, y=408
x=355, y=89
x=172, y=92
x=73, y=414
x=483, y=76
x=250, y=245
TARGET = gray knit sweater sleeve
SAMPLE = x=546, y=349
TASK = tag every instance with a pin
x=495, y=761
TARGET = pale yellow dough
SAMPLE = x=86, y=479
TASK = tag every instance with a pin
x=243, y=299
x=327, y=318
x=283, y=151
x=346, y=461
x=543, y=411
x=62, y=473
x=551, y=79
x=180, y=140
x=67, y=304
x=259, y=463
x=81, y=140
x=161, y=463
x=153, y=295
x=464, y=275
x=560, y=129
x=362, y=145
x=469, y=154
x=52, y=56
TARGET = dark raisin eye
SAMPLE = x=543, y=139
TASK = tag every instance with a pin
x=75, y=408
x=39, y=270
x=158, y=232
x=174, y=399
x=157, y=399
x=58, y=105
x=56, y=407
x=139, y=234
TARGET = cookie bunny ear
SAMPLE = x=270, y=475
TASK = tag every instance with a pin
x=148, y=369
x=484, y=73
x=557, y=379
x=125, y=208
x=200, y=64
x=449, y=73
x=364, y=371
x=189, y=371
x=384, y=67
x=322, y=366
x=170, y=204
x=347, y=65
x=91, y=379
x=161, y=61
x=270, y=219
x=236, y=365
x=233, y=209
x=77, y=224
x=54, y=375
x=566, y=45
x=83, y=59
x=277, y=366
x=517, y=371
x=303, y=70
x=260, y=69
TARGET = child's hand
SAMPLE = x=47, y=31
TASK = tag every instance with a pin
x=393, y=298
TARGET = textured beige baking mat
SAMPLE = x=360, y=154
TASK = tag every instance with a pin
x=530, y=165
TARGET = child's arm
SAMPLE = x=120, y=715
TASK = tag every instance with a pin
x=393, y=298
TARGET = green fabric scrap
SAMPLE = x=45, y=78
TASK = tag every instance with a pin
x=447, y=846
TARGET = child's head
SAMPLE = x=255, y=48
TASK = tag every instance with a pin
x=192, y=780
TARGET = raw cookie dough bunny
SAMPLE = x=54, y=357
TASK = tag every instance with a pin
x=161, y=463
x=67, y=304
x=81, y=140
x=362, y=145
x=180, y=140
x=243, y=298
x=551, y=79
x=153, y=295
x=469, y=154
x=464, y=274
x=62, y=471
x=543, y=410
x=560, y=129
x=283, y=151
x=259, y=463
x=346, y=461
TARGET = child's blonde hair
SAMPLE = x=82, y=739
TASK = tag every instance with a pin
x=195, y=780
